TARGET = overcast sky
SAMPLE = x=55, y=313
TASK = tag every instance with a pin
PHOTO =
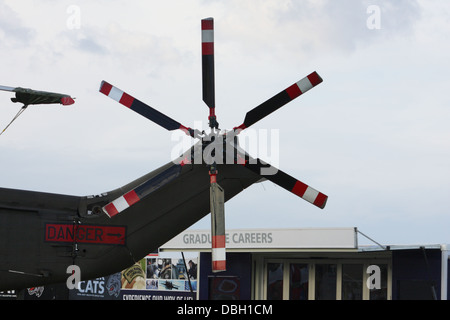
x=374, y=136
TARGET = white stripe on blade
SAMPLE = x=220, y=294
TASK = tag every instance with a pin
x=115, y=94
x=120, y=204
x=304, y=85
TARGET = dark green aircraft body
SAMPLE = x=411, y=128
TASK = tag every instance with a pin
x=37, y=242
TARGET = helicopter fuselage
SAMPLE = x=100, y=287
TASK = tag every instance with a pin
x=42, y=234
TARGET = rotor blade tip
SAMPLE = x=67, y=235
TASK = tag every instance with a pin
x=321, y=200
x=105, y=87
x=66, y=101
x=207, y=24
x=315, y=78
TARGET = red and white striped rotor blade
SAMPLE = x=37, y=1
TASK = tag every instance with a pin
x=130, y=198
x=208, y=73
x=144, y=109
x=287, y=182
x=279, y=100
x=208, y=62
x=217, y=204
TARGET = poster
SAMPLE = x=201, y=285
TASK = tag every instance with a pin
x=103, y=288
x=151, y=278
x=158, y=278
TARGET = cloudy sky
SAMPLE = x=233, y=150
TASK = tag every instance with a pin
x=374, y=136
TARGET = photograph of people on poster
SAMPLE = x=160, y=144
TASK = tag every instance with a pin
x=171, y=274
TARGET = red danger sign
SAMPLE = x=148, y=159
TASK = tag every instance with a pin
x=55, y=232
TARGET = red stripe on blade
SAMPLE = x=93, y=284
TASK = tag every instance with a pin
x=293, y=91
x=321, y=200
x=105, y=88
x=218, y=241
x=126, y=100
x=299, y=188
x=111, y=210
x=207, y=48
x=241, y=127
x=314, y=78
x=219, y=265
x=207, y=24
x=131, y=197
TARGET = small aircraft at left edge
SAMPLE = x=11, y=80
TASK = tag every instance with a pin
x=34, y=97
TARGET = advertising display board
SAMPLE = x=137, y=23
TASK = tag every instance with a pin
x=152, y=278
x=267, y=239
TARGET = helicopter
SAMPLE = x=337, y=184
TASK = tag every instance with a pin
x=41, y=234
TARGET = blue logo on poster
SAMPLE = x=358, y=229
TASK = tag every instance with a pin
x=113, y=285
